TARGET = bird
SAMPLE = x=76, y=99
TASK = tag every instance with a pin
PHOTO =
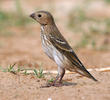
x=57, y=48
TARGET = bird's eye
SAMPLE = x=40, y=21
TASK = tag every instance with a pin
x=39, y=15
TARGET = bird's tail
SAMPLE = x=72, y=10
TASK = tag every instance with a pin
x=86, y=73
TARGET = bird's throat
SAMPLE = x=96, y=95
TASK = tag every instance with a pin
x=46, y=29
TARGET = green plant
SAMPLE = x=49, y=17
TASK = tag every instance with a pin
x=11, y=69
x=51, y=80
x=25, y=72
x=19, y=69
x=39, y=73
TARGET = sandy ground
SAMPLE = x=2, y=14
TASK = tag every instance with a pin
x=22, y=87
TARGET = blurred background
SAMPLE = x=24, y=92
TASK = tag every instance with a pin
x=84, y=23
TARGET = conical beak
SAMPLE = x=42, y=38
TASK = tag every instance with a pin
x=32, y=15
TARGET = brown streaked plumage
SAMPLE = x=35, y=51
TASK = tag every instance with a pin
x=57, y=48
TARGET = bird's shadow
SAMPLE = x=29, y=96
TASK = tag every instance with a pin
x=69, y=84
x=63, y=84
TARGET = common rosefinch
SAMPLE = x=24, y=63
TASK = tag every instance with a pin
x=57, y=48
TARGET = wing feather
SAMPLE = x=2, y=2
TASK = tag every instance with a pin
x=62, y=45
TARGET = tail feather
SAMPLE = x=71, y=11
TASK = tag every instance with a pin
x=84, y=72
x=80, y=67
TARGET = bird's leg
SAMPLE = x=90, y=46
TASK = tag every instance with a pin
x=61, y=76
x=57, y=77
x=61, y=72
x=54, y=82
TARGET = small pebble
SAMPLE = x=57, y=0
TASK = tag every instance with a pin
x=49, y=98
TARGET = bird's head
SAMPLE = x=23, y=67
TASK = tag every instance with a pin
x=43, y=17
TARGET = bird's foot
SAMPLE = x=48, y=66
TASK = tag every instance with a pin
x=55, y=84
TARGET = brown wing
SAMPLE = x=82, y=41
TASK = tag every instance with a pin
x=62, y=45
